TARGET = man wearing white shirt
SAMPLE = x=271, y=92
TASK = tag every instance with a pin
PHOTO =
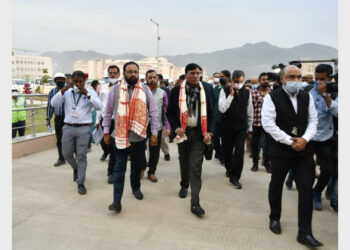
x=113, y=76
x=78, y=102
x=236, y=105
x=289, y=118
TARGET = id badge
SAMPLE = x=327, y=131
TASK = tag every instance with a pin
x=295, y=131
x=74, y=113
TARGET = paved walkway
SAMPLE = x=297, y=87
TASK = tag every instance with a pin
x=48, y=212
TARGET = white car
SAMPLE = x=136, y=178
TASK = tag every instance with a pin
x=18, y=84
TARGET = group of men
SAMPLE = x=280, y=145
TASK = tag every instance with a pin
x=294, y=123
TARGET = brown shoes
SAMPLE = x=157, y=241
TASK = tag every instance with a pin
x=152, y=177
x=142, y=173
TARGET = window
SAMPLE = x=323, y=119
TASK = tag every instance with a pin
x=21, y=62
x=17, y=61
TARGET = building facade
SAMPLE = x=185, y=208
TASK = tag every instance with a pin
x=30, y=66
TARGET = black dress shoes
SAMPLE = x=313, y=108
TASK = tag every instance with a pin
x=275, y=226
x=197, y=210
x=183, y=192
x=75, y=175
x=81, y=189
x=309, y=240
x=117, y=207
x=59, y=162
x=138, y=195
x=255, y=167
x=110, y=179
x=236, y=183
x=103, y=156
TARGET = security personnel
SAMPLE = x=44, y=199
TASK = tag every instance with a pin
x=18, y=117
x=289, y=118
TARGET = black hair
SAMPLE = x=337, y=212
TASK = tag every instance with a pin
x=215, y=73
x=113, y=67
x=182, y=77
x=150, y=71
x=68, y=75
x=226, y=73
x=78, y=73
x=94, y=83
x=263, y=74
x=165, y=82
x=160, y=77
x=129, y=63
x=237, y=73
x=200, y=68
x=192, y=66
x=324, y=68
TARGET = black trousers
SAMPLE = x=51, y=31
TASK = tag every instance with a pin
x=256, y=142
x=234, y=139
x=324, y=152
x=104, y=146
x=153, y=153
x=191, y=153
x=217, y=137
x=16, y=126
x=59, y=123
x=303, y=169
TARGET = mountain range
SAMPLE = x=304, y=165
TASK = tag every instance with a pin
x=251, y=58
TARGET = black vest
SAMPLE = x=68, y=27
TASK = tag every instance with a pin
x=235, y=117
x=287, y=120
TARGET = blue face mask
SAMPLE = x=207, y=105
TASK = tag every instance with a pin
x=292, y=87
x=254, y=86
x=60, y=84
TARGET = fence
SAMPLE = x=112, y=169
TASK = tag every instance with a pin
x=35, y=113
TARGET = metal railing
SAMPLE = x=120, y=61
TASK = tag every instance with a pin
x=37, y=102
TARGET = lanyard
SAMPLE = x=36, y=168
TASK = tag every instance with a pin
x=76, y=102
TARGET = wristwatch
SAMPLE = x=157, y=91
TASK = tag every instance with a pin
x=324, y=94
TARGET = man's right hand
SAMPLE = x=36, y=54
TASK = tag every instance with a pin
x=48, y=123
x=97, y=125
x=107, y=138
x=180, y=132
x=232, y=89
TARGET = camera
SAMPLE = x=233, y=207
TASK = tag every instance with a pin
x=331, y=87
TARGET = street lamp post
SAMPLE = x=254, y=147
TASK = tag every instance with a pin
x=158, y=39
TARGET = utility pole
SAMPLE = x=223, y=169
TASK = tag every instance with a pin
x=158, y=39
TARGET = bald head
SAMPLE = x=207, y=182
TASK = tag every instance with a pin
x=290, y=73
x=254, y=80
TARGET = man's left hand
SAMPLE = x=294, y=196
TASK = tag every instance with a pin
x=153, y=141
x=83, y=90
x=167, y=132
x=299, y=143
x=207, y=138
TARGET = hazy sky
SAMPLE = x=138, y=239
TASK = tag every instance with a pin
x=114, y=27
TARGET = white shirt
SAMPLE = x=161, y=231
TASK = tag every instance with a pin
x=83, y=107
x=268, y=120
x=104, y=90
x=224, y=104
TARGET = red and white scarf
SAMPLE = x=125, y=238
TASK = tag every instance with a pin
x=184, y=111
x=131, y=116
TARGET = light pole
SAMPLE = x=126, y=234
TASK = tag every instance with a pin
x=158, y=39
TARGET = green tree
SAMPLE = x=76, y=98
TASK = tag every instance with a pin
x=45, y=78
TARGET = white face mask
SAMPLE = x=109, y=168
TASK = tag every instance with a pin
x=239, y=85
x=112, y=80
x=216, y=80
x=292, y=87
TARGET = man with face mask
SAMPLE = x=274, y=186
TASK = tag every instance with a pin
x=324, y=142
x=132, y=105
x=236, y=105
x=113, y=77
x=161, y=100
x=289, y=118
x=59, y=79
x=223, y=80
x=258, y=100
x=216, y=79
x=254, y=83
x=78, y=103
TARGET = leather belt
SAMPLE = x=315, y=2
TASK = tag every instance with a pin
x=78, y=124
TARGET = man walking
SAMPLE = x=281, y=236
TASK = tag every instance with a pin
x=113, y=76
x=290, y=119
x=132, y=105
x=59, y=79
x=18, y=117
x=236, y=105
x=78, y=102
x=258, y=95
x=190, y=114
x=161, y=101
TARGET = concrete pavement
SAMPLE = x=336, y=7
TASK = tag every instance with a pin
x=48, y=212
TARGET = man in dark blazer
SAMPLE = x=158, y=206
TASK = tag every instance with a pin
x=192, y=121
